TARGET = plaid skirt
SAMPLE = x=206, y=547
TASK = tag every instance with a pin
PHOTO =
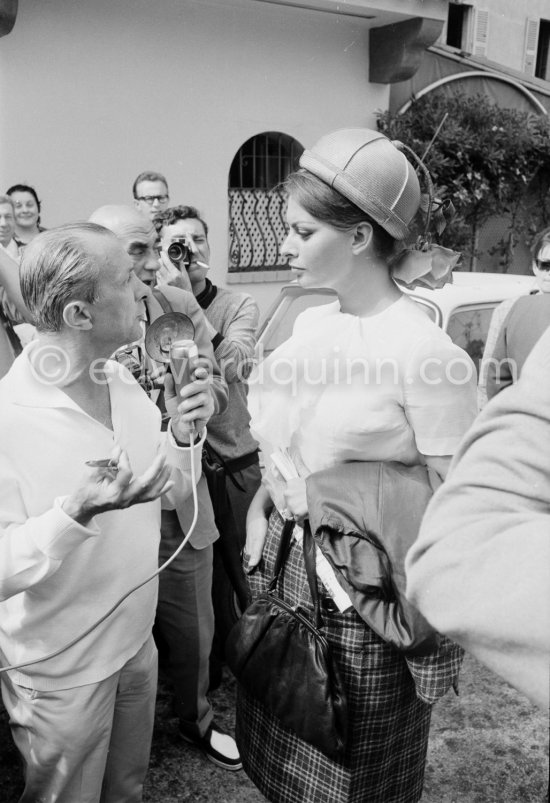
x=388, y=725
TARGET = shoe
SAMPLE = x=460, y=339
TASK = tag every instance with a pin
x=217, y=746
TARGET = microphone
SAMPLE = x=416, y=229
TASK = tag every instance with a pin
x=184, y=356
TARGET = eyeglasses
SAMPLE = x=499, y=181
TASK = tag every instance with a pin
x=543, y=264
x=150, y=199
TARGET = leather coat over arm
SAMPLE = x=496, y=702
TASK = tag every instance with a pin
x=364, y=518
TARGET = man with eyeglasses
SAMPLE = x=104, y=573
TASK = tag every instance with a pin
x=526, y=321
x=151, y=194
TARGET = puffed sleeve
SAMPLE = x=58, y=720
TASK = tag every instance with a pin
x=440, y=390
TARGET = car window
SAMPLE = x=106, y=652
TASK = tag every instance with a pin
x=430, y=309
x=280, y=319
x=468, y=327
x=281, y=324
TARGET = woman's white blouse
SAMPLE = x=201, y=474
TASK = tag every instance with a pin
x=391, y=386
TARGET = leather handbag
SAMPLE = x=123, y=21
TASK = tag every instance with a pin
x=284, y=660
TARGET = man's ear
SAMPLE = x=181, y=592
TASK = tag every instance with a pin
x=362, y=237
x=76, y=315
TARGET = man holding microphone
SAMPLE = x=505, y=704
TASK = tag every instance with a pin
x=74, y=539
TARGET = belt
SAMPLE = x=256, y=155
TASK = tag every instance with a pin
x=240, y=463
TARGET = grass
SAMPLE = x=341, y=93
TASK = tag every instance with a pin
x=490, y=745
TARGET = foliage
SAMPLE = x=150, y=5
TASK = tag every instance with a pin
x=488, y=160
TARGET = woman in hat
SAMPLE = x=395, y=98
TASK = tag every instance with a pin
x=366, y=378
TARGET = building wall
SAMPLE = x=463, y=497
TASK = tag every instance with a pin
x=92, y=93
x=507, y=24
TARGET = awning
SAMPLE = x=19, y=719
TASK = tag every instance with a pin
x=443, y=70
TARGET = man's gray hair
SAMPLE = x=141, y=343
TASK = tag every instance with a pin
x=7, y=199
x=58, y=267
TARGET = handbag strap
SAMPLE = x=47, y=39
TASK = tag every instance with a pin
x=309, y=559
x=311, y=571
x=282, y=552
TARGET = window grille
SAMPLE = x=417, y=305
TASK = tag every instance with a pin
x=256, y=204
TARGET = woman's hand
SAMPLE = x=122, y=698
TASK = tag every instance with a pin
x=256, y=531
x=256, y=528
x=296, y=499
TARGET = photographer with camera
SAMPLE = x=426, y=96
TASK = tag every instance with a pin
x=231, y=453
x=184, y=624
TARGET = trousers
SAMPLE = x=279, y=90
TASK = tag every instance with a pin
x=88, y=744
x=184, y=626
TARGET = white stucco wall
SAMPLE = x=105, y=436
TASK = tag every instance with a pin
x=92, y=93
x=507, y=22
x=507, y=27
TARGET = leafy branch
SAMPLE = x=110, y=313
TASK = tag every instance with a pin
x=489, y=161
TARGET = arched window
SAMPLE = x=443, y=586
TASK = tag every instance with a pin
x=256, y=205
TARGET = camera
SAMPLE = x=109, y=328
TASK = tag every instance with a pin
x=131, y=361
x=180, y=253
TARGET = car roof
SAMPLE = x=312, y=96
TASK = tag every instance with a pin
x=477, y=288
x=466, y=304
x=466, y=288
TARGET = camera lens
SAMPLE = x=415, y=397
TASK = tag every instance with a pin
x=175, y=252
x=179, y=252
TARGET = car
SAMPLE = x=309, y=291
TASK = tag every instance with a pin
x=463, y=308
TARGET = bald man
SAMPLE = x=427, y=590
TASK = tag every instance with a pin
x=184, y=625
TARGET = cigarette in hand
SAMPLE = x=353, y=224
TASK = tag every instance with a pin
x=106, y=462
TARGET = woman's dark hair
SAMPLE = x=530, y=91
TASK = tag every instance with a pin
x=329, y=206
x=29, y=189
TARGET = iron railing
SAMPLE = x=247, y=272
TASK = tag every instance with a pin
x=257, y=229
